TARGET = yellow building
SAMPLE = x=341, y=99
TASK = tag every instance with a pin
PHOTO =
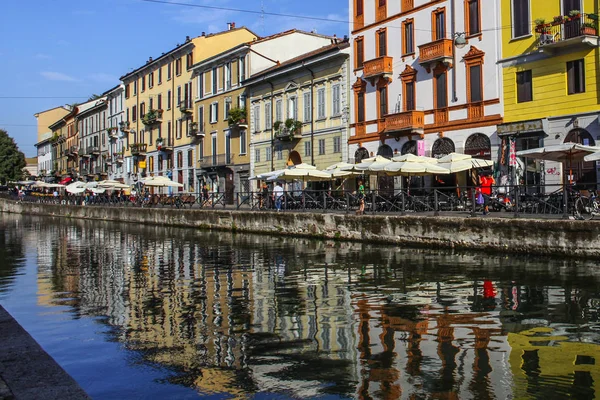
x=44, y=138
x=296, y=110
x=64, y=134
x=159, y=105
x=550, y=56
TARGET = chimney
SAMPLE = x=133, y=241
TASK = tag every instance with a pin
x=150, y=59
x=233, y=25
x=187, y=38
x=203, y=33
x=229, y=26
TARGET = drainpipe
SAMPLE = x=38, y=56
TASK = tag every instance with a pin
x=452, y=34
x=312, y=115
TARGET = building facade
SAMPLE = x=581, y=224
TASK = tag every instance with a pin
x=116, y=142
x=159, y=111
x=64, y=146
x=44, y=139
x=426, y=79
x=92, y=140
x=550, y=78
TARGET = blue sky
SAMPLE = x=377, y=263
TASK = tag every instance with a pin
x=67, y=50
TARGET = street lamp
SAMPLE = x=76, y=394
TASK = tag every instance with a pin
x=460, y=39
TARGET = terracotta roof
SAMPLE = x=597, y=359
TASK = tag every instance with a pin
x=340, y=45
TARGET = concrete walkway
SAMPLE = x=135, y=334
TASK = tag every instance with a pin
x=27, y=371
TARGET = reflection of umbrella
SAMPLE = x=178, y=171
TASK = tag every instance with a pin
x=161, y=181
x=456, y=162
x=560, y=152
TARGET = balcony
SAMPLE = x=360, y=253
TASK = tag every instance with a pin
x=475, y=111
x=216, y=160
x=124, y=126
x=574, y=32
x=439, y=51
x=405, y=123
x=138, y=149
x=197, y=130
x=152, y=117
x=185, y=107
x=93, y=150
x=288, y=131
x=112, y=133
x=379, y=67
x=85, y=171
x=118, y=157
x=164, y=144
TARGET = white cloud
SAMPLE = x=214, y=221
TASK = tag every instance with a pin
x=58, y=76
x=104, y=77
x=42, y=56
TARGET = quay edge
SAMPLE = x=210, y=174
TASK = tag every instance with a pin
x=565, y=238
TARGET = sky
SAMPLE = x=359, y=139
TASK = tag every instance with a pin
x=57, y=52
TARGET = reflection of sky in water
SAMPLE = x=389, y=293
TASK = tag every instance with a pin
x=150, y=311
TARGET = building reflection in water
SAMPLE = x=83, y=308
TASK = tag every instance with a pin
x=243, y=314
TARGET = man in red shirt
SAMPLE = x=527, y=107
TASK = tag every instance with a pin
x=486, y=181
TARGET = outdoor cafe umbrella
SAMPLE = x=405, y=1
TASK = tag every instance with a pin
x=566, y=152
x=112, y=184
x=161, y=181
x=305, y=174
x=456, y=162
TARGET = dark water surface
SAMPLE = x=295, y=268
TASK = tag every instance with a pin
x=150, y=312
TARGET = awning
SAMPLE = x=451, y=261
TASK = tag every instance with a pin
x=66, y=180
x=531, y=128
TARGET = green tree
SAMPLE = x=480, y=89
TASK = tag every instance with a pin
x=12, y=161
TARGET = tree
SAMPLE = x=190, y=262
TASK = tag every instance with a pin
x=12, y=161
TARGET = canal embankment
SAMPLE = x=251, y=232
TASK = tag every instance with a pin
x=27, y=371
x=523, y=235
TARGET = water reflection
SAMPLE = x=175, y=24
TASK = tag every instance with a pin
x=238, y=314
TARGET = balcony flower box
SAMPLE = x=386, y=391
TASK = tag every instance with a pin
x=289, y=130
x=152, y=117
x=589, y=28
x=237, y=118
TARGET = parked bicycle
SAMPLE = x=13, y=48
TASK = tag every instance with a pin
x=587, y=207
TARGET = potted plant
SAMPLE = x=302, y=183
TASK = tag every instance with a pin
x=194, y=126
x=589, y=28
x=540, y=24
x=293, y=126
x=559, y=19
x=237, y=117
x=159, y=143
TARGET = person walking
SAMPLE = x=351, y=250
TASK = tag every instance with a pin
x=486, y=181
x=278, y=196
x=264, y=196
x=361, y=198
x=204, y=194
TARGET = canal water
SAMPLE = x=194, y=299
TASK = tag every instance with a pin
x=153, y=312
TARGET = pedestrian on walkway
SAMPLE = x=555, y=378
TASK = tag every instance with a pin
x=361, y=198
x=278, y=196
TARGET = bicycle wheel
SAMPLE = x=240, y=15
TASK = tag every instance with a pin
x=584, y=208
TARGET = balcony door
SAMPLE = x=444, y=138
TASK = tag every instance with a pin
x=228, y=148
x=573, y=27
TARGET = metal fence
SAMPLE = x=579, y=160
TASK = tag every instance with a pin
x=551, y=201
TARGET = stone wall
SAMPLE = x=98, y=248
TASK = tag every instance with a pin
x=548, y=237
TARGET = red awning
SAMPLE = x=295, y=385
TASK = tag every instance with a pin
x=66, y=180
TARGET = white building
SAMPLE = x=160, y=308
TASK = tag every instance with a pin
x=426, y=78
x=117, y=140
x=91, y=126
x=44, y=155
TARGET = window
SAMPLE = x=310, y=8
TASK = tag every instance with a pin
x=135, y=87
x=151, y=134
x=360, y=105
x=439, y=24
x=143, y=80
x=169, y=71
x=321, y=103
x=214, y=113
x=242, y=69
x=214, y=147
x=200, y=86
x=321, y=147
x=257, y=155
x=292, y=111
x=227, y=70
x=179, y=96
x=279, y=110
x=441, y=92
x=159, y=101
x=473, y=17
x=475, y=89
x=201, y=149
x=178, y=66
x=151, y=103
x=383, y=103
x=214, y=81
x=227, y=108
x=127, y=91
x=178, y=128
x=201, y=119
x=134, y=113
x=256, y=117
x=408, y=40
x=521, y=18
x=409, y=95
x=190, y=158
x=307, y=148
x=337, y=144
x=169, y=97
x=575, y=77
x=151, y=80
x=360, y=52
x=279, y=152
x=268, y=116
x=189, y=60
x=381, y=43
x=307, y=107
x=243, y=142
x=359, y=7
x=269, y=154
x=336, y=101
x=160, y=75
x=169, y=131
x=524, y=86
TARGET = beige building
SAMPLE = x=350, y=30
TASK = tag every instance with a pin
x=44, y=138
x=298, y=110
x=159, y=108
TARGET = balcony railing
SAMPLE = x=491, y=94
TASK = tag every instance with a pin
x=197, y=130
x=112, y=132
x=138, y=149
x=475, y=110
x=164, y=144
x=581, y=29
x=407, y=121
x=185, y=106
x=381, y=66
x=93, y=150
x=437, y=51
x=216, y=160
x=118, y=157
x=124, y=126
x=152, y=117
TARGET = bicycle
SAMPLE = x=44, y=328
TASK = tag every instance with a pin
x=587, y=207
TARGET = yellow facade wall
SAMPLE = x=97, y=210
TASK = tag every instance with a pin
x=47, y=118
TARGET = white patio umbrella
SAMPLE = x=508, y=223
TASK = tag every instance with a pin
x=415, y=159
x=456, y=162
x=161, y=181
x=592, y=157
x=408, y=168
x=339, y=166
x=112, y=184
x=301, y=173
x=373, y=164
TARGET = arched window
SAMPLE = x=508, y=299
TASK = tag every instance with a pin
x=478, y=145
x=360, y=155
x=442, y=147
x=409, y=147
x=294, y=158
x=385, y=151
